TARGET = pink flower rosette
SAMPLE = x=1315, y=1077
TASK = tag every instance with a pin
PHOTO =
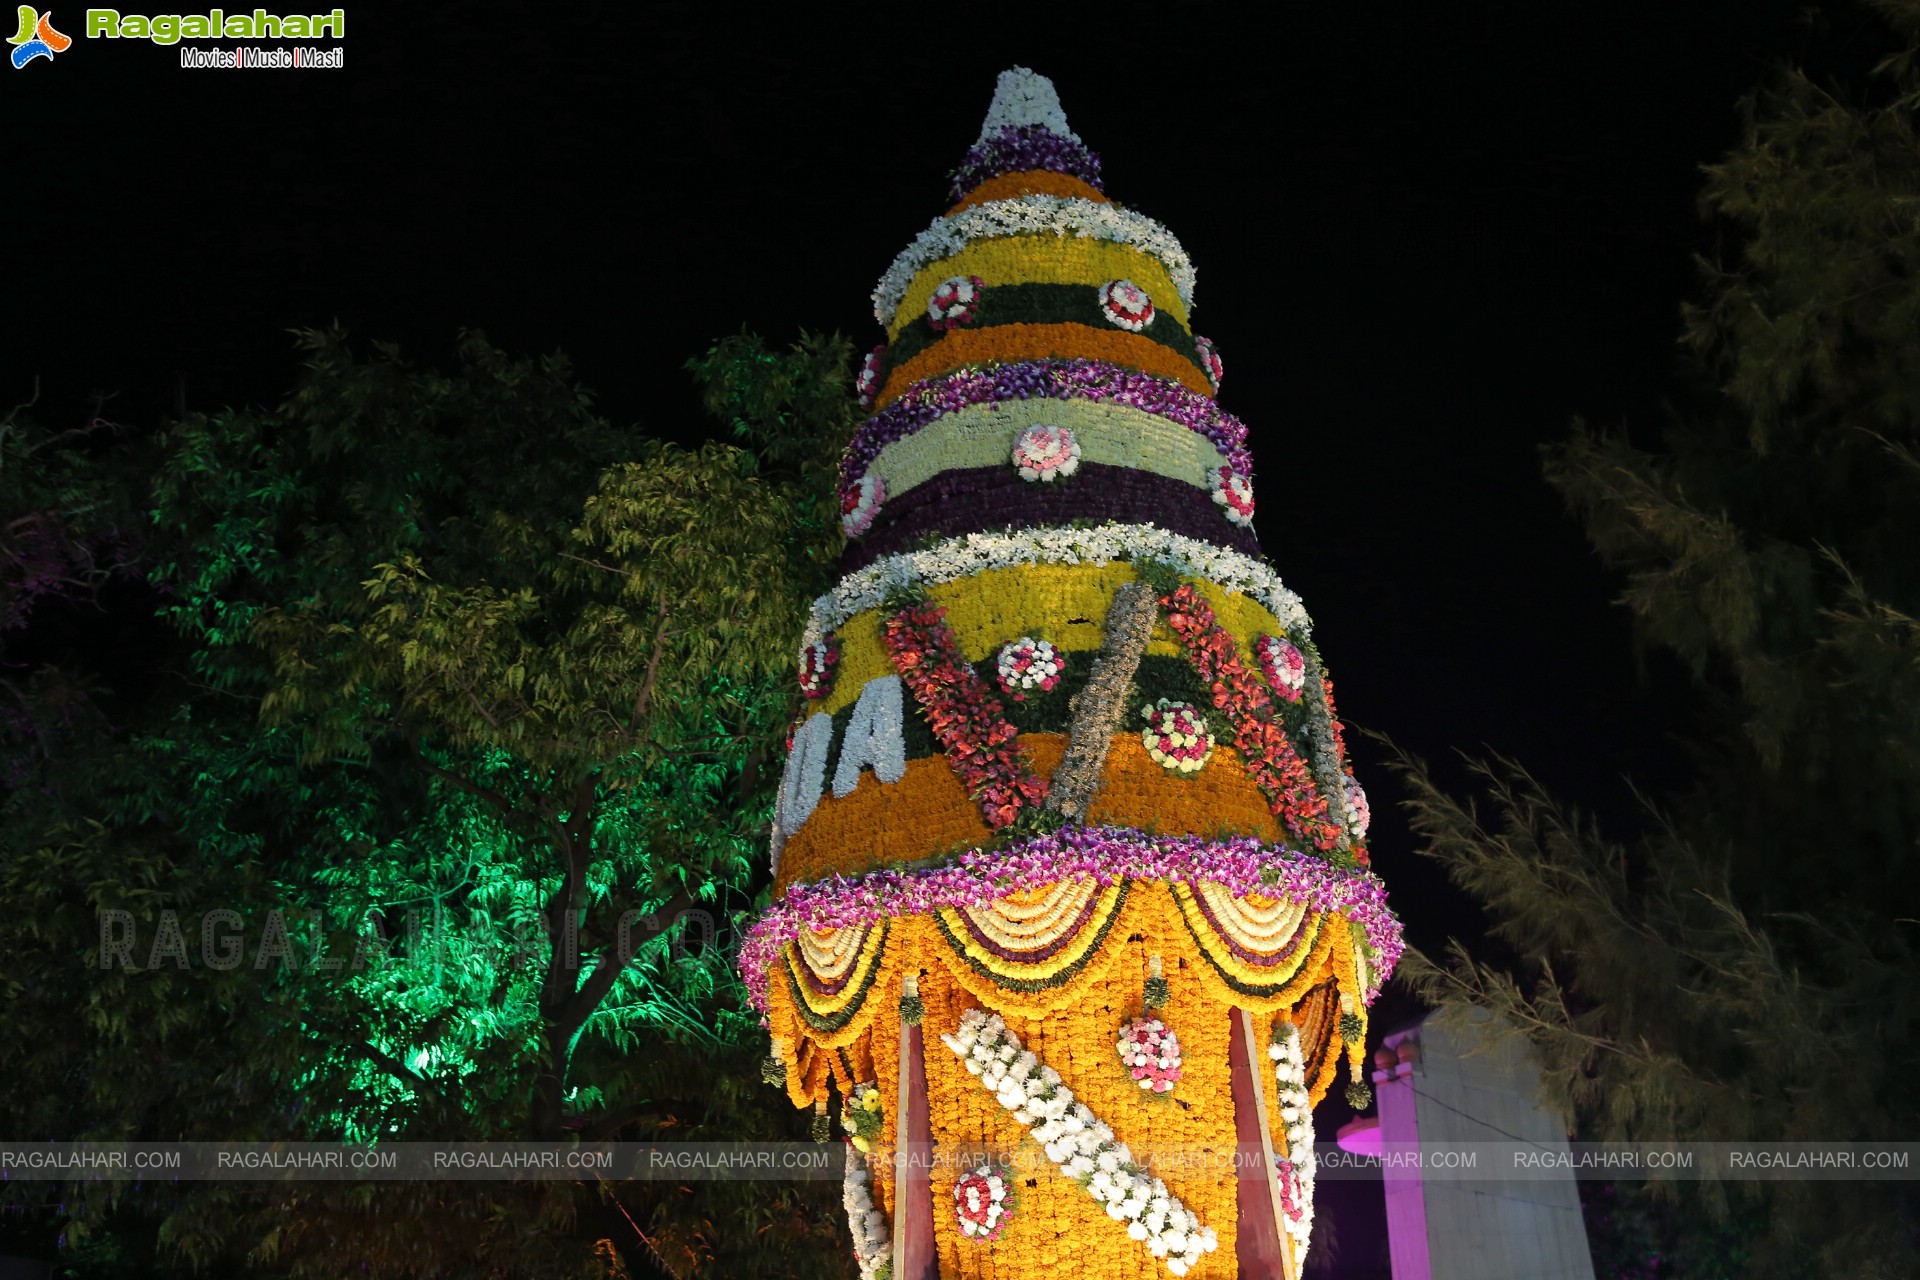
x=1046, y=453
x=817, y=662
x=866, y=383
x=955, y=302
x=1028, y=664
x=983, y=1201
x=1150, y=1052
x=1176, y=736
x=1284, y=666
x=1126, y=305
x=1357, y=806
x=1233, y=490
x=1210, y=361
x=861, y=503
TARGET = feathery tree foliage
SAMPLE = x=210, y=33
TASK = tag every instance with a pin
x=1744, y=968
x=461, y=702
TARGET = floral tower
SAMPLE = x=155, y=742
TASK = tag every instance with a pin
x=1071, y=892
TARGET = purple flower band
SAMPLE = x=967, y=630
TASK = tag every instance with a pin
x=1018, y=148
x=1241, y=865
x=978, y=499
x=930, y=399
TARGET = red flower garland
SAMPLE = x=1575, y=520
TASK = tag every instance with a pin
x=967, y=720
x=1273, y=764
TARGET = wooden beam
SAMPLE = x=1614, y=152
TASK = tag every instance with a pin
x=1262, y=1245
x=913, y=1253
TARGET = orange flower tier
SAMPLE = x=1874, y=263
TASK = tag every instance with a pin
x=1071, y=906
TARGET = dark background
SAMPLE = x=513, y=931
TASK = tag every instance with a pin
x=1427, y=237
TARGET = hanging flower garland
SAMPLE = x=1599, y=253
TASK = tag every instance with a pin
x=1271, y=761
x=863, y=1116
x=818, y=659
x=1029, y=664
x=1284, y=666
x=1176, y=736
x=1045, y=452
x=1233, y=490
x=967, y=720
x=866, y=383
x=1296, y=1167
x=861, y=503
x=1126, y=305
x=1150, y=1052
x=955, y=302
x=984, y=1201
x=1210, y=361
x=976, y=877
x=1078, y=1142
x=872, y=1244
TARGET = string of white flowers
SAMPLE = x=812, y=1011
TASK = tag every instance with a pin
x=872, y=1248
x=1029, y=216
x=1296, y=1116
x=972, y=553
x=1078, y=1142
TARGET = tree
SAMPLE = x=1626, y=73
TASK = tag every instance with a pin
x=1743, y=968
x=472, y=688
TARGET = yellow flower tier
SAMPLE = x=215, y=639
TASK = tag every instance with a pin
x=1071, y=902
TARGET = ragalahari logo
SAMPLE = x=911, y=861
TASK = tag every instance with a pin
x=37, y=38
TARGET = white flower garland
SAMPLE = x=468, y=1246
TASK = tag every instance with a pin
x=1296, y=1116
x=872, y=1247
x=876, y=736
x=973, y=553
x=1076, y=1140
x=1029, y=216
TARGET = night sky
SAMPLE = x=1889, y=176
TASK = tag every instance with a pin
x=1427, y=238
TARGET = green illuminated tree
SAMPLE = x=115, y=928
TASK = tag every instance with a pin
x=1743, y=968
x=474, y=689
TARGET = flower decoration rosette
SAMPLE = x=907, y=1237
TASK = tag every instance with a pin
x=863, y=1116
x=955, y=302
x=1126, y=305
x=1210, y=360
x=1176, y=736
x=1359, y=812
x=984, y=1201
x=1045, y=453
x=1284, y=666
x=1027, y=665
x=1233, y=491
x=866, y=383
x=818, y=658
x=861, y=503
x=1051, y=551
x=1150, y=1052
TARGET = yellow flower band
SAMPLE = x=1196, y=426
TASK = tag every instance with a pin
x=1043, y=260
x=1065, y=604
x=983, y=435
